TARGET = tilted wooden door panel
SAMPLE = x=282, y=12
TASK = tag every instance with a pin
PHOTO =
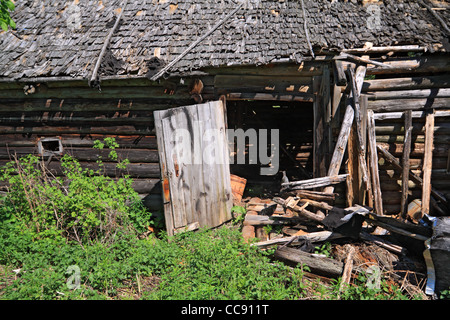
x=194, y=160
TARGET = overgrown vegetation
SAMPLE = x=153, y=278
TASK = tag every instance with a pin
x=85, y=236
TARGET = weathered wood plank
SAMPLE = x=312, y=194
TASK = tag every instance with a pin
x=305, y=97
x=338, y=154
x=405, y=163
x=81, y=105
x=314, y=183
x=181, y=93
x=409, y=94
x=164, y=174
x=81, y=130
x=407, y=83
x=319, y=265
x=408, y=104
x=414, y=114
x=427, y=163
x=374, y=163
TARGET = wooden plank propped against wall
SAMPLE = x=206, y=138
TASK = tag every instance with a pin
x=427, y=162
x=405, y=163
x=339, y=150
x=374, y=163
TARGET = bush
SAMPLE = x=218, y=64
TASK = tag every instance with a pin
x=83, y=206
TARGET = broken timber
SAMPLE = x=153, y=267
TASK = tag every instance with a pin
x=374, y=164
x=195, y=43
x=314, y=183
x=427, y=162
x=318, y=264
x=406, y=166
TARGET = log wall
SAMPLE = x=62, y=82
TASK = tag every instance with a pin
x=388, y=96
x=79, y=122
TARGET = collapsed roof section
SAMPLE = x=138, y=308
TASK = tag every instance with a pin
x=56, y=38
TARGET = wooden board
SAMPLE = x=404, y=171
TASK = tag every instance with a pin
x=194, y=165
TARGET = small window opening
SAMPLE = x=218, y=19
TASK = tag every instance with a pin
x=50, y=146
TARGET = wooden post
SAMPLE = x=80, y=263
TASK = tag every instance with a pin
x=374, y=163
x=352, y=169
x=427, y=162
x=358, y=121
x=405, y=160
x=341, y=143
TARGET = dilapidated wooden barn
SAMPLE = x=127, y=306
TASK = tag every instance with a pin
x=356, y=87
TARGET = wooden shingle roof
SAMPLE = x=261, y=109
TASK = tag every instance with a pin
x=59, y=38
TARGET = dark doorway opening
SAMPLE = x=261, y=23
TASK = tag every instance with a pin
x=295, y=122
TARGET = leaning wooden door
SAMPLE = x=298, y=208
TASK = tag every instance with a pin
x=194, y=161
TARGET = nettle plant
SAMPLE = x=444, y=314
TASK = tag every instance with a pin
x=83, y=205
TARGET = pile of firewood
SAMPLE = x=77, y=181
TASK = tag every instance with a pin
x=300, y=221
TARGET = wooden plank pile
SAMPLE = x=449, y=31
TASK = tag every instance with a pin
x=301, y=222
x=304, y=216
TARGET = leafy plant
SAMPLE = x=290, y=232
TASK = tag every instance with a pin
x=5, y=16
x=83, y=205
x=238, y=214
x=324, y=249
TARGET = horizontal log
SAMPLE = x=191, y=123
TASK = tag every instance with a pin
x=43, y=92
x=436, y=174
x=106, y=81
x=397, y=128
x=261, y=220
x=319, y=265
x=415, y=114
x=264, y=83
x=416, y=163
x=306, y=97
x=408, y=104
x=106, y=130
x=423, y=64
x=319, y=236
x=75, y=140
x=45, y=120
x=84, y=154
x=314, y=183
x=406, y=48
x=417, y=149
x=407, y=83
x=409, y=94
x=419, y=138
x=81, y=105
x=135, y=170
x=305, y=69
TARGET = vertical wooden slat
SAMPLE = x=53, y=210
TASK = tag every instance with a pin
x=352, y=169
x=226, y=199
x=363, y=101
x=318, y=126
x=339, y=150
x=173, y=166
x=374, y=163
x=427, y=162
x=164, y=173
x=405, y=163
